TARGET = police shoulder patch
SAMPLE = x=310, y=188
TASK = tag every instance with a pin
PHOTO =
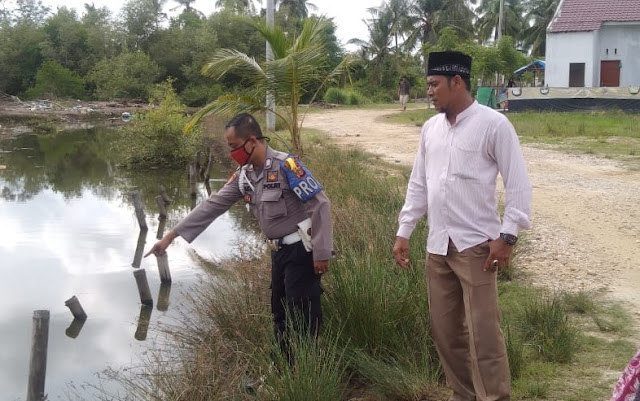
x=300, y=179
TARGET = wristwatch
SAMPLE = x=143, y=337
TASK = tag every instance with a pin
x=509, y=239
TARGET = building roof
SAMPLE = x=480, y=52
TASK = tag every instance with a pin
x=589, y=15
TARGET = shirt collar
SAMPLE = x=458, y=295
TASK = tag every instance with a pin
x=467, y=112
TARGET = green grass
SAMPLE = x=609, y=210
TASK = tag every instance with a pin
x=605, y=134
x=375, y=343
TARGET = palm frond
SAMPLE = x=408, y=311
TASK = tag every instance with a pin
x=226, y=106
x=275, y=37
x=311, y=33
x=224, y=61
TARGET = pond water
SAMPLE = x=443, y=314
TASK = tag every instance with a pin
x=68, y=227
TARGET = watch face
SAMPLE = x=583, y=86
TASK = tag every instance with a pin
x=509, y=238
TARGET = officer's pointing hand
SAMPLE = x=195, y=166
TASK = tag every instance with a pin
x=401, y=252
x=321, y=266
x=160, y=247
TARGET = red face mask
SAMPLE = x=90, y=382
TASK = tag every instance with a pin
x=240, y=154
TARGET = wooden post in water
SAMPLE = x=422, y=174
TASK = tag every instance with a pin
x=162, y=208
x=163, y=268
x=38, y=360
x=76, y=309
x=143, y=322
x=163, y=296
x=163, y=194
x=143, y=287
x=207, y=172
x=137, y=204
x=193, y=179
x=161, y=226
x=137, y=257
x=74, y=328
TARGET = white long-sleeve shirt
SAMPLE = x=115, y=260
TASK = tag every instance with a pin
x=454, y=181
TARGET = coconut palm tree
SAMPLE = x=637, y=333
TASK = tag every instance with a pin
x=377, y=49
x=458, y=15
x=423, y=17
x=297, y=8
x=538, y=17
x=489, y=12
x=299, y=67
x=237, y=6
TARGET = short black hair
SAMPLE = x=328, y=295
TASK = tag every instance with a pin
x=466, y=80
x=244, y=125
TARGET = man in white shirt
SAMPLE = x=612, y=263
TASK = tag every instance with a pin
x=462, y=150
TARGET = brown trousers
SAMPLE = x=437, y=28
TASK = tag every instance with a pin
x=463, y=304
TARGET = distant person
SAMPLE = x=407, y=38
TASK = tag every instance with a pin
x=511, y=83
x=403, y=92
x=293, y=213
x=462, y=149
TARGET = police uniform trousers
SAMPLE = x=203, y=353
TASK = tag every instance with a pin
x=463, y=305
x=295, y=293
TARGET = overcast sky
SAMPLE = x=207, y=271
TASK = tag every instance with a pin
x=347, y=14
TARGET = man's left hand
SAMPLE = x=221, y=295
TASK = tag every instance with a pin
x=500, y=251
x=321, y=266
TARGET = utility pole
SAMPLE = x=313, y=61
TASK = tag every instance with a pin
x=271, y=106
x=500, y=20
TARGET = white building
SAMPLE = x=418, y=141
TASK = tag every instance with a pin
x=594, y=43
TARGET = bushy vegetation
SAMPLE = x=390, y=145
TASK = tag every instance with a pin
x=344, y=96
x=53, y=80
x=156, y=138
x=98, y=46
x=335, y=96
x=129, y=75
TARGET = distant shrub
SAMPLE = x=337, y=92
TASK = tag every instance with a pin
x=156, y=138
x=335, y=95
x=195, y=95
x=354, y=97
x=55, y=80
x=129, y=75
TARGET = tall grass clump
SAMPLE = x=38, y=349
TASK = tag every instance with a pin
x=336, y=96
x=545, y=325
x=380, y=310
x=156, y=138
x=318, y=374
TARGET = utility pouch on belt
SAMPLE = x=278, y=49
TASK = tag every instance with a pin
x=304, y=229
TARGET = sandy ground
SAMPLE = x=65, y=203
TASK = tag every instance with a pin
x=585, y=233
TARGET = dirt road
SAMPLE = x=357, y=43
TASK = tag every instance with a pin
x=585, y=231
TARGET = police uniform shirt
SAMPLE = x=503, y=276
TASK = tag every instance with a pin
x=276, y=205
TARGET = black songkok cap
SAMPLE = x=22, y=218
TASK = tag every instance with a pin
x=449, y=63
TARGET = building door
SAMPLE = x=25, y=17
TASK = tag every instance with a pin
x=610, y=73
x=576, y=75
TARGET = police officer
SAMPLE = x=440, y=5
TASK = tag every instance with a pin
x=293, y=213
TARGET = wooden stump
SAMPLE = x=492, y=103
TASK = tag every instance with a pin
x=163, y=296
x=163, y=193
x=163, y=268
x=137, y=257
x=137, y=205
x=76, y=309
x=38, y=359
x=162, y=207
x=143, y=287
x=74, y=328
x=161, y=226
x=143, y=322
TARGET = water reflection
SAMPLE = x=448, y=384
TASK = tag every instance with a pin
x=67, y=227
